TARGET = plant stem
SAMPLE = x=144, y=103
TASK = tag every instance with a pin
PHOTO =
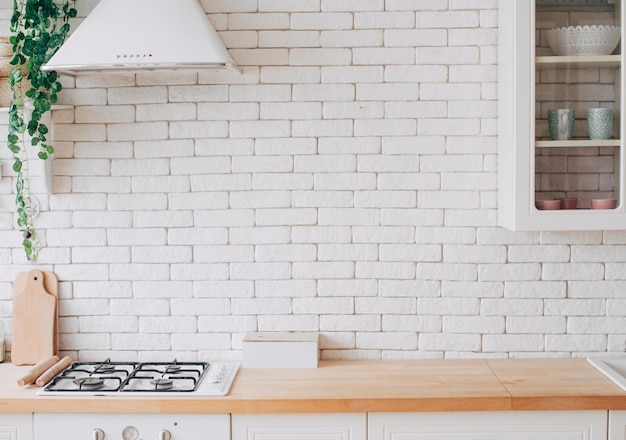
x=38, y=28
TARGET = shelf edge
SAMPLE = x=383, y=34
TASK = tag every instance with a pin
x=586, y=143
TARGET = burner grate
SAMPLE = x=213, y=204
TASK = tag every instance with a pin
x=170, y=377
x=130, y=377
x=90, y=376
x=144, y=379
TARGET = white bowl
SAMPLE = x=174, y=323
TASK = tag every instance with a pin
x=583, y=40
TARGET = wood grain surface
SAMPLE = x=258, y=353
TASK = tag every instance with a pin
x=51, y=285
x=31, y=376
x=53, y=371
x=35, y=335
x=360, y=386
x=556, y=384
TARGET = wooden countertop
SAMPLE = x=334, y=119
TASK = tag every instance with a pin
x=362, y=386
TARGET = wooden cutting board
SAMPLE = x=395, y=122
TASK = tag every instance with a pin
x=35, y=322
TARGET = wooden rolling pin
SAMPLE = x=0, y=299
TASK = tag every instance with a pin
x=53, y=371
x=37, y=370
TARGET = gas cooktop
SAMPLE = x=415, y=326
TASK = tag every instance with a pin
x=144, y=379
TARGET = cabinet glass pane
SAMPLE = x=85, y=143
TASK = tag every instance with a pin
x=579, y=167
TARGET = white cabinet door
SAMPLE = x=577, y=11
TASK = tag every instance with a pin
x=617, y=425
x=299, y=426
x=16, y=427
x=532, y=80
x=505, y=425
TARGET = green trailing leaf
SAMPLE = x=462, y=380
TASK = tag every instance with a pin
x=15, y=76
x=17, y=165
x=32, y=126
x=38, y=28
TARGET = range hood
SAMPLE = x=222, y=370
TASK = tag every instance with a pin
x=142, y=35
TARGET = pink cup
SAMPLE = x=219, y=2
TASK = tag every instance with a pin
x=548, y=204
x=568, y=202
x=603, y=203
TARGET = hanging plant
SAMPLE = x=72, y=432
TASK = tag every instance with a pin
x=38, y=29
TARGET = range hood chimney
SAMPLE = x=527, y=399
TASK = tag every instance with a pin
x=142, y=35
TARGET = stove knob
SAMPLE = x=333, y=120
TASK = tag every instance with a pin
x=164, y=434
x=97, y=434
x=130, y=433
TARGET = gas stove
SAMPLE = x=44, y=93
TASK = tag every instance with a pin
x=144, y=379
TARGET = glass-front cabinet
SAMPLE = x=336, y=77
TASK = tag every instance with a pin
x=561, y=164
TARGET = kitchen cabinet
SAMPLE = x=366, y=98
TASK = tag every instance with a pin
x=533, y=80
x=299, y=426
x=535, y=425
x=16, y=427
x=490, y=425
x=617, y=425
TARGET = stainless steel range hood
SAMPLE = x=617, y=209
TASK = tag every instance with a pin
x=142, y=35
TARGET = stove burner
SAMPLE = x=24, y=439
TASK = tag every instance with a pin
x=104, y=369
x=92, y=383
x=162, y=384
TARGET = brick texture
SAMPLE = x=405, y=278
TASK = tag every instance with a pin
x=344, y=183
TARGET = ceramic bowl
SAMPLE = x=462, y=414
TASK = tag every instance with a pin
x=548, y=204
x=603, y=203
x=583, y=40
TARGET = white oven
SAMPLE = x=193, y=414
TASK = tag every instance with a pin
x=132, y=426
x=107, y=379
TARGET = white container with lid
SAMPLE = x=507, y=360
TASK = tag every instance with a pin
x=280, y=350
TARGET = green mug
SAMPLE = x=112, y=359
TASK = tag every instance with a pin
x=600, y=123
x=561, y=123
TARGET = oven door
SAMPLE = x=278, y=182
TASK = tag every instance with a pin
x=132, y=426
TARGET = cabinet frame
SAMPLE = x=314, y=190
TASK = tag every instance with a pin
x=512, y=425
x=305, y=426
x=617, y=425
x=16, y=426
x=516, y=128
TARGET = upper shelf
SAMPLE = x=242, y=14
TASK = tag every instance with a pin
x=579, y=143
x=577, y=62
x=557, y=6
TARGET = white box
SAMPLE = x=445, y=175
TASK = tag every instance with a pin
x=280, y=350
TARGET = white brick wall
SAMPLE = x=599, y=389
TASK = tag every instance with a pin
x=344, y=184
